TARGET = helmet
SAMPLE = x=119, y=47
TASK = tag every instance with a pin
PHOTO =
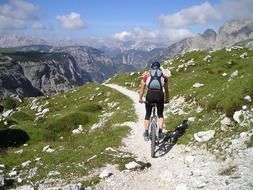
x=155, y=65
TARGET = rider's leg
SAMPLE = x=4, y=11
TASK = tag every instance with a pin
x=160, y=109
x=146, y=124
x=147, y=121
x=147, y=116
x=161, y=122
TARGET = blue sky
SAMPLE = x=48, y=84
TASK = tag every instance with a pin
x=119, y=19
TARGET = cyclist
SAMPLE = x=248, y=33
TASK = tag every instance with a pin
x=157, y=88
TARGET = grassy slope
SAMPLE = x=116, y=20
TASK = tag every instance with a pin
x=82, y=106
x=219, y=95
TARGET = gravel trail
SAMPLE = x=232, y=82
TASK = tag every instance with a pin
x=177, y=167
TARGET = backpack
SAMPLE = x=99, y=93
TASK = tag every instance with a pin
x=156, y=81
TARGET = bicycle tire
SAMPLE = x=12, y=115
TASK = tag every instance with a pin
x=153, y=139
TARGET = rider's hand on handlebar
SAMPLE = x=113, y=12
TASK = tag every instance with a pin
x=141, y=101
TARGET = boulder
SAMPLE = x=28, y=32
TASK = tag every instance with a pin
x=78, y=130
x=225, y=123
x=53, y=173
x=237, y=116
x=204, y=136
x=105, y=173
x=132, y=165
x=247, y=98
x=189, y=159
x=25, y=187
x=197, y=85
x=48, y=149
x=181, y=187
x=13, y=173
x=234, y=74
x=24, y=164
x=244, y=55
x=7, y=113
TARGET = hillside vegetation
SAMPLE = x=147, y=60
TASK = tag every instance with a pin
x=206, y=87
x=65, y=136
x=68, y=137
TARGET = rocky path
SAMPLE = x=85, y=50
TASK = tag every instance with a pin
x=178, y=167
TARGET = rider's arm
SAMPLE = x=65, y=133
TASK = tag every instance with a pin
x=166, y=89
x=142, y=91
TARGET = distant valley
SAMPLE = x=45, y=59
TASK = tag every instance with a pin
x=33, y=70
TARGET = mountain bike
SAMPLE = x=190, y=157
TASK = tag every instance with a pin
x=154, y=130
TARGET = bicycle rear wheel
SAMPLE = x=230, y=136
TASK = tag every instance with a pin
x=153, y=139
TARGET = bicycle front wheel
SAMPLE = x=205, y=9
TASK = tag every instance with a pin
x=153, y=139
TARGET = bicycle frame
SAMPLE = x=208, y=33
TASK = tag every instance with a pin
x=154, y=130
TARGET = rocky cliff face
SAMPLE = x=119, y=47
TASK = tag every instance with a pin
x=93, y=61
x=230, y=33
x=13, y=81
x=233, y=32
x=36, y=73
x=42, y=69
x=138, y=59
x=98, y=64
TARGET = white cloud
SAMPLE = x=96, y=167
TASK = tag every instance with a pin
x=167, y=35
x=174, y=26
x=198, y=14
x=142, y=34
x=38, y=25
x=71, y=21
x=122, y=36
x=16, y=13
x=234, y=9
x=10, y=23
x=174, y=35
x=136, y=34
x=23, y=9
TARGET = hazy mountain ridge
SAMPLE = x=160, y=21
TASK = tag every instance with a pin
x=137, y=58
x=15, y=40
x=97, y=63
x=93, y=61
x=36, y=73
x=83, y=64
x=129, y=55
x=49, y=69
x=230, y=33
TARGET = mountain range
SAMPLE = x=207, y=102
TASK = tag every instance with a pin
x=32, y=70
x=233, y=32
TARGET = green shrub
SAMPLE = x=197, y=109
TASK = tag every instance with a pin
x=91, y=182
x=250, y=142
x=63, y=125
x=22, y=116
x=90, y=107
x=228, y=171
x=212, y=105
x=9, y=103
x=2, y=124
x=230, y=110
x=1, y=108
x=9, y=123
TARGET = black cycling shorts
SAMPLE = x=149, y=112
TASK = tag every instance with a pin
x=154, y=96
